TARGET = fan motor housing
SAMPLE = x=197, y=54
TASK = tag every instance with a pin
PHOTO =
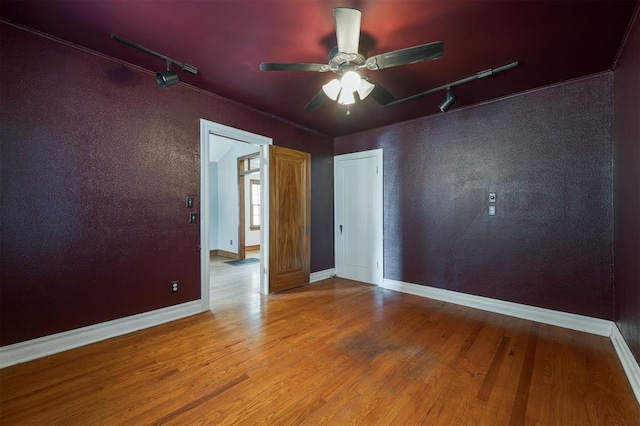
x=338, y=59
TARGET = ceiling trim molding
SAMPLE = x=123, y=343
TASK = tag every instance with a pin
x=626, y=36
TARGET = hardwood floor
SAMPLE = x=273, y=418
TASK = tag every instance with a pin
x=334, y=352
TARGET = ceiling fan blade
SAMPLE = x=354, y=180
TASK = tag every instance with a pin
x=275, y=66
x=380, y=94
x=316, y=101
x=410, y=55
x=347, y=29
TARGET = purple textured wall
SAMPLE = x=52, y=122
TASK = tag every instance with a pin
x=547, y=154
x=97, y=160
x=626, y=168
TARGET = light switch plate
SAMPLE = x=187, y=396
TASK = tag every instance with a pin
x=492, y=210
x=492, y=197
x=193, y=217
x=189, y=202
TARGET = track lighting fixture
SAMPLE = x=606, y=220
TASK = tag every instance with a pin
x=451, y=98
x=448, y=101
x=165, y=78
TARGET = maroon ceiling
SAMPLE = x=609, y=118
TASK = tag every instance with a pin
x=227, y=40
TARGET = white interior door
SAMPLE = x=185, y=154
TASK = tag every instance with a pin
x=358, y=216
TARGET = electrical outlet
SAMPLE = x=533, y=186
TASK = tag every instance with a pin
x=174, y=286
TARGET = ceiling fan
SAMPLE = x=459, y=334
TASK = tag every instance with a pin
x=347, y=62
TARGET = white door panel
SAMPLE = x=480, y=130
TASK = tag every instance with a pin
x=358, y=216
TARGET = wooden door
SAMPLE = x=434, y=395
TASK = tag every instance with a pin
x=289, y=218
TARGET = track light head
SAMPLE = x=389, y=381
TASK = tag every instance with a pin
x=167, y=78
x=448, y=101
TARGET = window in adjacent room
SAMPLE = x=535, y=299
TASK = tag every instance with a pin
x=254, y=186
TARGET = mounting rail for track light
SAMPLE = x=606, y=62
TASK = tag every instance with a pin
x=183, y=66
x=448, y=86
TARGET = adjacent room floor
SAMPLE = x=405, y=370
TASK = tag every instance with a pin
x=234, y=284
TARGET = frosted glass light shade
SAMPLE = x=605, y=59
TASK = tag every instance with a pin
x=350, y=81
x=332, y=89
x=346, y=98
x=365, y=88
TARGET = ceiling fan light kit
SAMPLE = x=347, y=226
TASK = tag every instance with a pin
x=332, y=89
x=342, y=90
x=164, y=78
x=350, y=81
x=365, y=89
x=346, y=98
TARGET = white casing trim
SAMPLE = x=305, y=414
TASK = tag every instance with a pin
x=627, y=360
x=546, y=316
x=208, y=128
x=59, y=342
x=322, y=275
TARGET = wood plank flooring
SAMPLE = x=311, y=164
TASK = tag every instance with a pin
x=335, y=352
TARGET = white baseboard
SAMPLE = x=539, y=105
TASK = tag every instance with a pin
x=546, y=316
x=627, y=360
x=322, y=275
x=59, y=342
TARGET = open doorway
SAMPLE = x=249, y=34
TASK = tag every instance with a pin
x=220, y=210
x=234, y=244
x=228, y=192
x=250, y=211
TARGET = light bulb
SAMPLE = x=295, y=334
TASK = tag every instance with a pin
x=332, y=89
x=350, y=81
x=346, y=98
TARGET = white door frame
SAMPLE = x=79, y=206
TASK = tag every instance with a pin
x=210, y=128
x=378, y=222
